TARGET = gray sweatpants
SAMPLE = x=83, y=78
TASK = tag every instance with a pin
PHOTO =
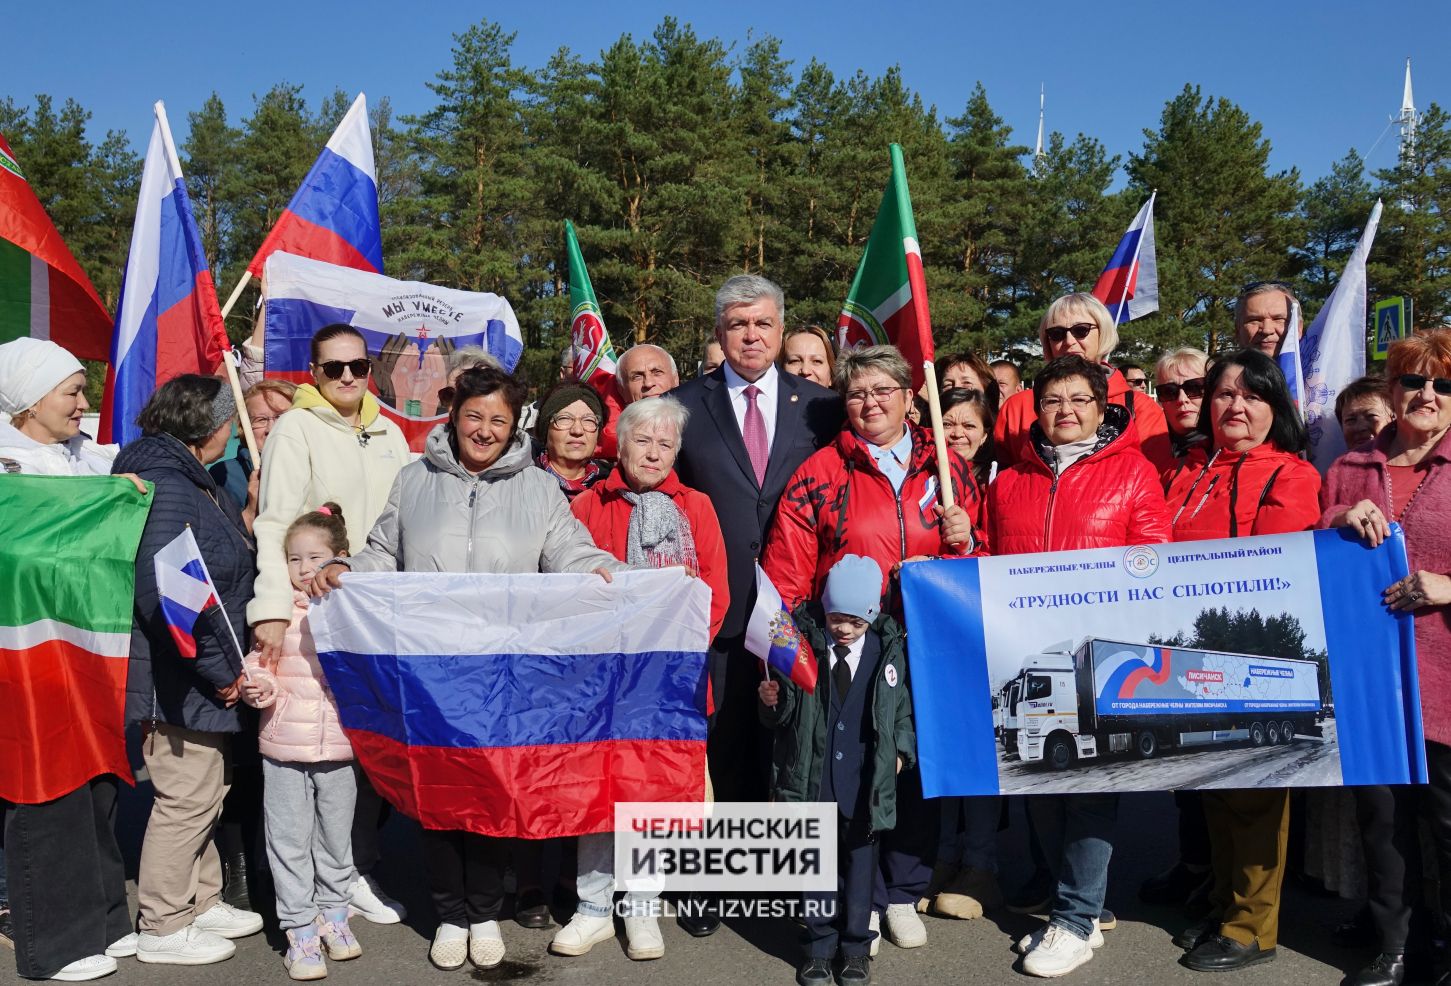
x=308, y=812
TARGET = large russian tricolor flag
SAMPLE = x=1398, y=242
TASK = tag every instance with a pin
x=334, y=214
x=1129, y=285
x=520, y=705
x=167, y=322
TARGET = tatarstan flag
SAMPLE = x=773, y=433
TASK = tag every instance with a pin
x=590, y=348
x=887, y=303
x=67, y=579
x=44, y=293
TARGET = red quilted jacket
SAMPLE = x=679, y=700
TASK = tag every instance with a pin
x=1017, y=417
x=1239, y=494
x=838, y=503
x=1108, y=499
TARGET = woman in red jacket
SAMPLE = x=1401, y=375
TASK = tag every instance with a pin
x=1086, y=485
x=643, y=516
x=873, y=492
x=1079, y=325
x=1404, y=475
x=1248, y=480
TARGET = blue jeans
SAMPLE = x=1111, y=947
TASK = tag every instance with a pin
x=595, y=884
x=1075, y=830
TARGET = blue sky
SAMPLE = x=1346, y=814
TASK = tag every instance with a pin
x=1321, y=77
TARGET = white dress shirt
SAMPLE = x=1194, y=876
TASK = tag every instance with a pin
x=766, y=400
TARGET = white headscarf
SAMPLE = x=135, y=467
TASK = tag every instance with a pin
x=30, y=369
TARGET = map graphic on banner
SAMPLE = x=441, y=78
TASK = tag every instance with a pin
x=1253, y=662
x=410, y=328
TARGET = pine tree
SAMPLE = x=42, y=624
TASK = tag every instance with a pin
x=1413, y=247
x=212, y=175
x=1335, y=209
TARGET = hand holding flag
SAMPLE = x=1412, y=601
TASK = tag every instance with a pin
x=772, y=636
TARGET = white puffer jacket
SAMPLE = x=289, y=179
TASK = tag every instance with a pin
x=299, y=714
x=80, y=456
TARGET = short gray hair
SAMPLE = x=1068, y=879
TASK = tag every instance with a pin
x=743, y=289
x=620, y=363
x=473, y=358
x=1182, y=356
x=1262, y=287
x=852, y=363
x=646, y=414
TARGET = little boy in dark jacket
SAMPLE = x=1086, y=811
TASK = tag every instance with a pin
x=845, y=742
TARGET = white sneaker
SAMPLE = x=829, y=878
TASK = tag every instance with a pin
x=88, y=968
x=642, y=937
x=486, y=944
x=450, y=947
x=1031, y=940
x=227, y=921
x=369, y=901
x=122, y=948
x=1058, y=954
x=189, y=946
x=904, y=927
x=582, y=933
x=875, y=924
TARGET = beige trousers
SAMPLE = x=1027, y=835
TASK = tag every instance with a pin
x=181, y=873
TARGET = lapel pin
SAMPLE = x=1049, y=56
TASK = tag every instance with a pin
x=795, y=398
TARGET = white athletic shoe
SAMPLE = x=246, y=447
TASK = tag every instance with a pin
x=450, y=947
x=582, y=933
x=904, y=927
x=368, y=901
x=122, y=948
x=86, y=969
x=875, y=924
x=227, y=921
x=486, y=944
x=189, y=946
x=643, y=940
x=1030, y=941
x=1058, y=954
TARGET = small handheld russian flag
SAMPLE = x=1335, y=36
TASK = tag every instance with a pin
x=185, y=588
x=772, y=636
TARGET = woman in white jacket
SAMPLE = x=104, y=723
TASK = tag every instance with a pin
x=334, y=445
x=42, y=398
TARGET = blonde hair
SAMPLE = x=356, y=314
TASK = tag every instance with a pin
x=1078, y=307
x=1180, y=357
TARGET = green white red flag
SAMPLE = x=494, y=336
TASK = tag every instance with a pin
x=887, y=303
x=592, y=354
x=68, y=551
x=44, y=293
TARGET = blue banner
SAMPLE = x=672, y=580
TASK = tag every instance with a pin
x=1252, y=662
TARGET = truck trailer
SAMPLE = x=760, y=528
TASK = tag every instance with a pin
x=1108, y=696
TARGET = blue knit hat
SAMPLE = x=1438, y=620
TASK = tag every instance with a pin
x=854, y=587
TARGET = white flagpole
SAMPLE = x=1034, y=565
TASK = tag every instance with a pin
x=241, y=655
x=1138, y=245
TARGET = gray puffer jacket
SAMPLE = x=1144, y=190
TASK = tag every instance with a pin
x=511, y=518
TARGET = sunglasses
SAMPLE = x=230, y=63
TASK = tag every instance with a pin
x=1416, y=381
x=1060, y=332
x=333, y=368
x=1192, y=389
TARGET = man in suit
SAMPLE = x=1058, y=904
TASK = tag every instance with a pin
x=750, y=427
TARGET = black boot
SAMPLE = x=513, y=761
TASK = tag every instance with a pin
x=235, y=890
x=1386, y=969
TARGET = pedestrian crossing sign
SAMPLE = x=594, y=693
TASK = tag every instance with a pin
x=1390, y=325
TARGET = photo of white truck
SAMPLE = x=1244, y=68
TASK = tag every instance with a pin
x=1107, y=697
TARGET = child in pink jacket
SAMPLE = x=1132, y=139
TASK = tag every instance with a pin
x=310, y=789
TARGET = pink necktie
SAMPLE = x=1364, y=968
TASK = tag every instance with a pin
x=757, y=446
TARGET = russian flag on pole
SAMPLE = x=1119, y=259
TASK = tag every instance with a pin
x=334, y=214
x=1129, y=285
x=1289, y=357
x=410, y=329
x=772, y=636
x=520, y=705
x=167, y=321
x=185, y=589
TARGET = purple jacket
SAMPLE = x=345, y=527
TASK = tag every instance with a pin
x=1362, y=474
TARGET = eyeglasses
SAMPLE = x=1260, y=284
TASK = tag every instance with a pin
x=879, y=394
x=1078, y=403
x=268, y=421
x=333, y=368
x=566, y=422
x=1416, y=381
x=1192, y=389
x=1058, y=333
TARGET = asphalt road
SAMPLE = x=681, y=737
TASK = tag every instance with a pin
x=1308, y=762
x=764, y=951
